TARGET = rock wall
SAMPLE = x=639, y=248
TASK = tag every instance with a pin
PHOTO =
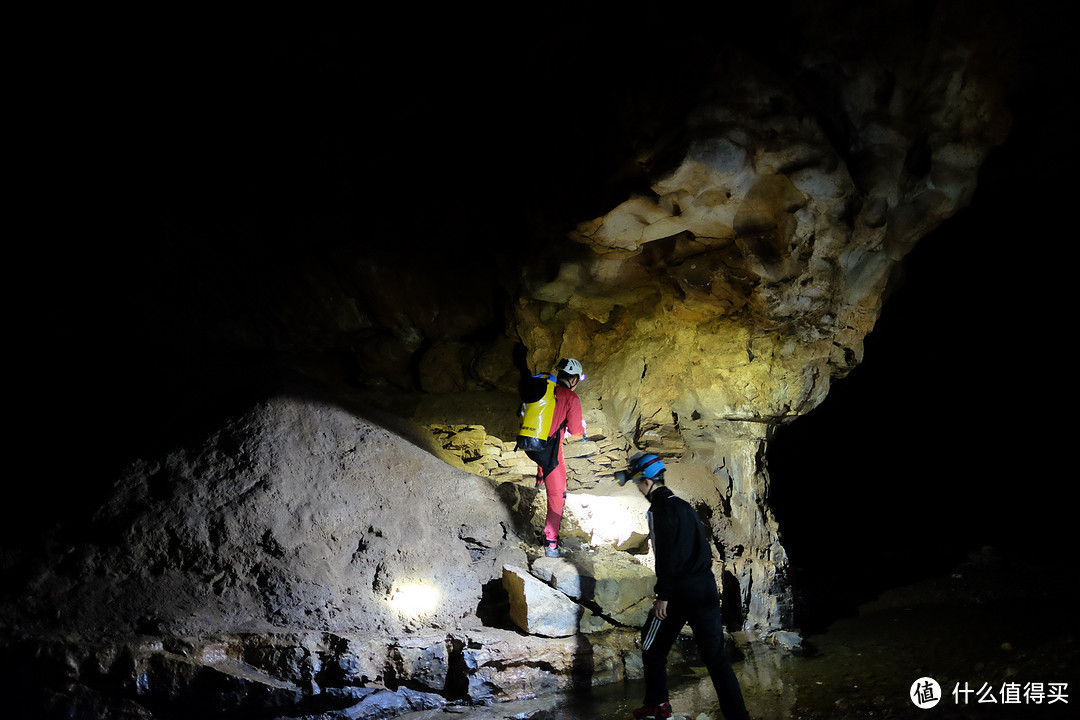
x=721, y=299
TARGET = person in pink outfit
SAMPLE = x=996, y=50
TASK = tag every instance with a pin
x=567, y=421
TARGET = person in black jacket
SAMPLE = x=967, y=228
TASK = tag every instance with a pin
x=686, y=592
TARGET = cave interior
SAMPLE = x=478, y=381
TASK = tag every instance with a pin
x=218, y=160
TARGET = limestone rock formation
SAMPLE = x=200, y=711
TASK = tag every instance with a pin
x=720, y=300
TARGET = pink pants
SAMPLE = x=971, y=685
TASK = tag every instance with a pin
x=556, y=499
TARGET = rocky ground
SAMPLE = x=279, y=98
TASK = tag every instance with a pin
x=984, y=623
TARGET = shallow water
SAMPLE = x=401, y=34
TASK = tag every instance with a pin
x=981, y=626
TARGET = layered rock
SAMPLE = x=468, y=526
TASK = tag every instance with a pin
x=600, y=513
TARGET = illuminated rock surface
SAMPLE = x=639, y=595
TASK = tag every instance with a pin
x=538, y=609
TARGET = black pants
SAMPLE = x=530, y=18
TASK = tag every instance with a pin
x=700, y=608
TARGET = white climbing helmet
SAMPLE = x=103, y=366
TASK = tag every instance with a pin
x=570, y=366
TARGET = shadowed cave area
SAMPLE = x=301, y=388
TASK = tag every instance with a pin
x=808, y=253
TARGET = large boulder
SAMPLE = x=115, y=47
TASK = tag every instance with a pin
x=612, y=583
x=296, y=513
x=537, y=608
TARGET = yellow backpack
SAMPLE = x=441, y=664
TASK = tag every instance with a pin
x=535, y=437
x=538, y=408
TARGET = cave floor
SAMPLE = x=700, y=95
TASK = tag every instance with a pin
x=993, y=628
